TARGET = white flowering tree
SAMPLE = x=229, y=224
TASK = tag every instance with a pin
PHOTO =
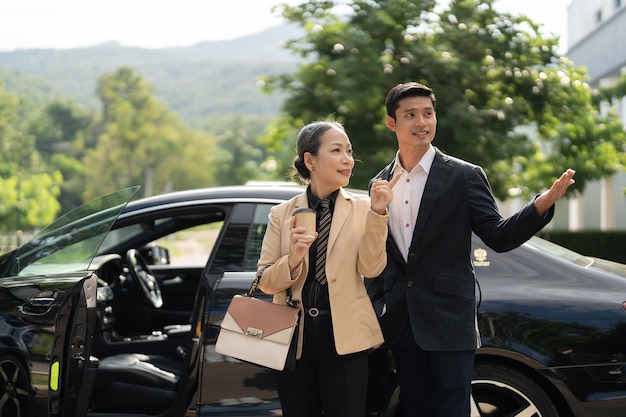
x=506, y=98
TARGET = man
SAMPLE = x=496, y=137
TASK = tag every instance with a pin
x=426, y=298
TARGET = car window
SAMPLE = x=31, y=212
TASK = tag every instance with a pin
x=71, y=241
x=183, y=238
x=259, y=225
x=240, y=246
x=190, y=246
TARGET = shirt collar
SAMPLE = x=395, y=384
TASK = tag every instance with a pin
x=426, y=162
x=314, y=200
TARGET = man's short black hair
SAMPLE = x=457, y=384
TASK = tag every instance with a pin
x=410, y=89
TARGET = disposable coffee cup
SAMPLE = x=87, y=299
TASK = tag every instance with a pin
x=306, y=217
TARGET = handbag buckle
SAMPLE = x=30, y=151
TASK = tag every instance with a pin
x=251, y=331
x=313, y=312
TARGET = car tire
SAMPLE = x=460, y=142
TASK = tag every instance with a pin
x=15, y=389
x=500, y=391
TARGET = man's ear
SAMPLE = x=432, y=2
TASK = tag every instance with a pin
x=391, y=123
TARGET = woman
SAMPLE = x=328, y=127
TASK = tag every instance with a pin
x=338, y=324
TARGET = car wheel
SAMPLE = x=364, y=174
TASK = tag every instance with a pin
x=500, y=391
x=15, y=399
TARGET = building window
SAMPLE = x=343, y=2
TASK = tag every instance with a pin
x=599, y=17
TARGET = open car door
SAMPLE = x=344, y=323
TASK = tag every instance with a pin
x=50, y=292
x=72, y=368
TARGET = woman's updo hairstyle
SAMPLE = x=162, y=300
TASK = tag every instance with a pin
x=309, y=140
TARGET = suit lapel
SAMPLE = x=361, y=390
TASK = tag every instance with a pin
x=385, y=174
x=301, y=201
x=437, y=177
x=340, y=215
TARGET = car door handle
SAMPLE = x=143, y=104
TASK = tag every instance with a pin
x=40, y=303
x=172, y=281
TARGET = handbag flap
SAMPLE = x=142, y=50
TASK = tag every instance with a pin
x=253, y=313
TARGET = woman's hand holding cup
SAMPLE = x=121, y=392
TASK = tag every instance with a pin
x=303, y=224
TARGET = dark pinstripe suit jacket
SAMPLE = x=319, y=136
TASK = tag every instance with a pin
x=435, y=288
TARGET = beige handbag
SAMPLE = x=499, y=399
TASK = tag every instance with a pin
x=259, y=331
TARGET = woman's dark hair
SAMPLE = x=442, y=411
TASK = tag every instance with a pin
x=309, y=140
x=411, y=89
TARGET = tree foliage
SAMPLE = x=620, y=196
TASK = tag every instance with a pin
x=616, y=91
x=28, y=188
x=29, y=203
x=62, y=134
x=141, y=142
x=506, y=99
x=58, y=155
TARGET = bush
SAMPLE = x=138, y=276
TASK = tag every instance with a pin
x=605, y=245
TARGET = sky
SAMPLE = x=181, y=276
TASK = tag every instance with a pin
x=64, y=24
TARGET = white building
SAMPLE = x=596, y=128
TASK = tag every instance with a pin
x=596, y=33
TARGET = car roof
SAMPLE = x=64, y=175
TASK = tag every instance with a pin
x=262, y=192
x=274, y=192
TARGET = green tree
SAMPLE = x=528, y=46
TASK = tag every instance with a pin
x=610, y=94
x=30, y=202
x=62, y=135
x=494, y=74
x=141, y=142
x=196, y=165
x=241, y=155
x=280, y=147
x=616, y=91
x=28, y=188
x=58, y=126
x=238, y=160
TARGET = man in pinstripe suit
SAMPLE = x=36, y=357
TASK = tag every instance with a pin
x=426, y=299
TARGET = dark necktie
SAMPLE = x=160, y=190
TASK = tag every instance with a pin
x=322, y=241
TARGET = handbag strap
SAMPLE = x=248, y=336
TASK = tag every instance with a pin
x=255, y=285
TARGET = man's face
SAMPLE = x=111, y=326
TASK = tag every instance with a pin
x=415, y=123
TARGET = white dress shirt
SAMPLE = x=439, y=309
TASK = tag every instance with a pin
x=407, y=196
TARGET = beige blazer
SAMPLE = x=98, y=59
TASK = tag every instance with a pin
x=356, y=249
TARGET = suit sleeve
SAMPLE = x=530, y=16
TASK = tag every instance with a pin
x=372, y=257
x=273, y=264
x=498, y=233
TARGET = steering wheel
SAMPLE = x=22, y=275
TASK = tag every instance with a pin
x=140, y=272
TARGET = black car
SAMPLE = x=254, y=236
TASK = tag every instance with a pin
x=115, y=308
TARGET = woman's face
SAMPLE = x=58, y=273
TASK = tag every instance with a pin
x=332, y=167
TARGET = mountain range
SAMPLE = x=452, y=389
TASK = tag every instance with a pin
x=198, y=82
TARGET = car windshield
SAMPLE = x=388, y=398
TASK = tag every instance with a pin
x=70, y=242
x=559, y=251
